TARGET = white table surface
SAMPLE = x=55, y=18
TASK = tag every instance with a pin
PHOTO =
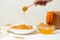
x=34, y=36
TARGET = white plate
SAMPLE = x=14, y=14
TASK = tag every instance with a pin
x=3, y=31
x=16, y=31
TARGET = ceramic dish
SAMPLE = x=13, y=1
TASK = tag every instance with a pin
x=22, y=31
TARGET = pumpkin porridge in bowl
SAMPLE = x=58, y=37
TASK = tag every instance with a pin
x=22, y=29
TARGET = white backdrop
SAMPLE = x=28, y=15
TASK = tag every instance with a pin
x=11, y=12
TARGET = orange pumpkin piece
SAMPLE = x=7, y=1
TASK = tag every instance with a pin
x=49, y=17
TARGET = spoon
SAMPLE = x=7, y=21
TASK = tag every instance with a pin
x=25, y=8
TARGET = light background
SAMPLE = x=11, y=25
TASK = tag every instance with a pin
x=11, y=11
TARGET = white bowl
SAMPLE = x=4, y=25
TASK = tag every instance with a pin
x=17, y=31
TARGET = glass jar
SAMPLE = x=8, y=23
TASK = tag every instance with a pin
x=48, y=29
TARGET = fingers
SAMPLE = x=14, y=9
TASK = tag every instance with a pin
x=41, y=2
x=36, y=2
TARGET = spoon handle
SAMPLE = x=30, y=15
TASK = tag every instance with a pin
x=30, y=5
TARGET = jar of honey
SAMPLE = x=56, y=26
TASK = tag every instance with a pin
x=46, y=29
